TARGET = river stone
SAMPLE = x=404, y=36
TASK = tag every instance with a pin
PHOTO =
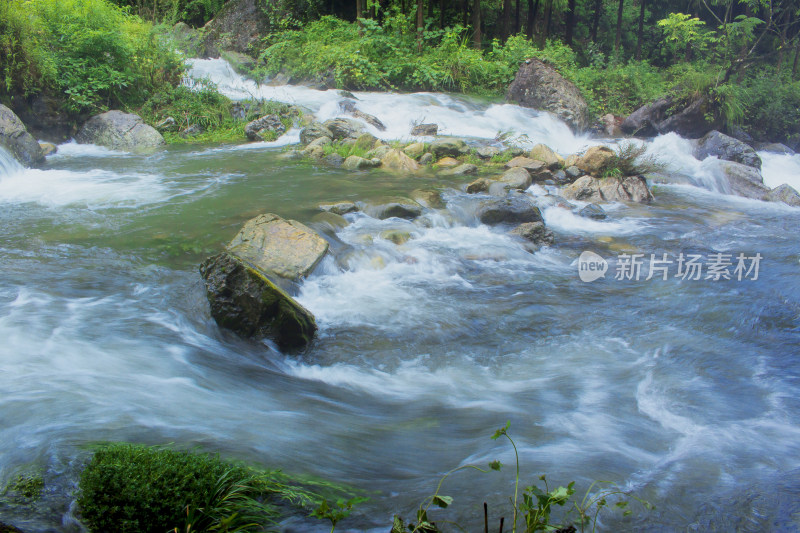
x=334, y=160
x=744, y=180
x=340, y=208
x=397, y=161
x=426, y=159
x=355, y=162
x=595, y=159
x=531, y=165
x=487, y=152
x=593, y=211
x=349, y=106
x=285, y=248
x=414, y=150
x=396, y=207
x=444, y=147
x=516, y=178
x=15, y=138
x=573, y=172
x=314, y=131
x=119, y=131
x=48, y=148
x=479, y=185
x=396, y=236
x=428, y=198
x=535, y=232
x=465, y=169
x=722, y=146
x=540, y=86
x=544, y=153
x=776, y=148
x=344, y=128
x=379, y=152
x=266, y=128
x=447, y=162
x=514, y=209
x=331, y=220
x=612, y=189
x=245, y=300
x=365, y=141
x=784, y=193
x=423, y=130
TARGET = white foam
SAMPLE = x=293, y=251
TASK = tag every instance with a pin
x=455, y=115
x=565, y=221
x=74, y=149
x=778, y=169
x=8, y=165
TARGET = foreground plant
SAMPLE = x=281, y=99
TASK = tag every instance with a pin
x=535, y=509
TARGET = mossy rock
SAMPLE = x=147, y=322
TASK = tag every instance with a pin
x=243, y=299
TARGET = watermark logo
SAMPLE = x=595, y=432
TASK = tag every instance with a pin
x=591, y=266
x=691, y=267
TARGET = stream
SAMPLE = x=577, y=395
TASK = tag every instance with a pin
x=684, y=391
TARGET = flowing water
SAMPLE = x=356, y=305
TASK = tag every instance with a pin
x=684, y=391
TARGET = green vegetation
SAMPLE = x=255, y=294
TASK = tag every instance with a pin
x=25, y=488
x=92, y=53
x=135, y=488
x=631, y=159
x=535, y=509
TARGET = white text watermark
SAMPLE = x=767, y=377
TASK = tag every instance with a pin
x=691, y=267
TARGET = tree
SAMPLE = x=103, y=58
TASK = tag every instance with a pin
x=598, y=10
x=618, y=38
x=570, y=22
x=640, y=34
x=476, y=24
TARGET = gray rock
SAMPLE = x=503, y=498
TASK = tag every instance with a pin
x=266, y=128
x=479, y=185
x=395, y=208
x=544, y=153
x=314, y=131
x=168, y=124
x=461, y=170
x=534, y=232
x=744, y=180
x=516, y=178
x=689, y=119
x=784, y=193
x=644, y=121
x=343, y=128
x=365, y=141
x=426, y=159
x=560, y=177
x=514, y=209
x=775, y=148
x=533, y=166
x=397, y=161
x=48, y=148
x=425, y=130
x=448, y=147
x=349, y=106
x=593, y=211
x=334, y=160
x=722, y=146
x=487, y=152
x=428, y=198
x=239, y=25
x=192, y=131
x=355, y=162
x=120, y=131
x=340, y=208
x=15, y=138
x=540, y=86
x=414, y=150
x=573, y=172
x=591, y=189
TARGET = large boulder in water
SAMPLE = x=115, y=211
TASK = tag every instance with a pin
x=244, y=283
x=540, y=86
x=119, y=131
x=724, y=147
x=514, y=209
x=784, y=193
x=239, y=26
x=245, y=300
x=15, y=138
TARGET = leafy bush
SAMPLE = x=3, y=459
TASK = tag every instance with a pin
x=135, y=488
x=92, y=51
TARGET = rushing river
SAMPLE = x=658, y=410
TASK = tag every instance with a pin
x=685, y=391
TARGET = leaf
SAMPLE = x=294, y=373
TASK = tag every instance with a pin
x=442, y=501
x=502, y=431
x=495, y=465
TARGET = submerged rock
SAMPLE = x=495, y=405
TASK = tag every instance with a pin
x=396, y=207
x=340, y=208
x=593, y=211
x=48, y=148
x=540, y=86
x=15, y=138
x=724, y=147
x=349, y=106
x=119, y=131
x=534, y=232
x=428, y=198
x=744, y=180
x=479, y=185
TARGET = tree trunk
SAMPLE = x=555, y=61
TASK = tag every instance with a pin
x=476, y=24
x=619, y=26
x=598, y=10
x=781, y=51
x=420, y=26
x=359, y=9
x=532, y=9
x=547, y=19
x=441, y=14
x=796, y=54
x=517, y=25
x=570, y=22
x=640, y=36
x=465, y=13
x=430, y=9
x=505, y=21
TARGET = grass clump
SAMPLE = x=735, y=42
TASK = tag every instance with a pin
x=136, y=488
x=631, y=159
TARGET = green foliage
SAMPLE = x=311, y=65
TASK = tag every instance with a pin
x=771, y=104
x=135, y=488
x=334, y=514
x=682, y=32
x=193, y=12
x=630, y=159
x=25, y=488
x=92, y=51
